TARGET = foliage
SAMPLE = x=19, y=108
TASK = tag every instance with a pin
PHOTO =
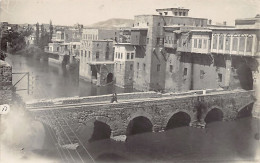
x=37, y=33
x=14, y=40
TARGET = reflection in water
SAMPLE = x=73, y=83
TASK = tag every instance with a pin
x=48, y=80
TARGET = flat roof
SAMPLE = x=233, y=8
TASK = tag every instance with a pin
x=139, y=28
x=170, y=9
x=101, y=62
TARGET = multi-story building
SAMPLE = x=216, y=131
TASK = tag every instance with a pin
x=96, y=58
x=124, y=56
x=65, y=45
x=182, y=53
x=148, y=36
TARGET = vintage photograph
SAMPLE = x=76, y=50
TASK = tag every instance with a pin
x=129, y=81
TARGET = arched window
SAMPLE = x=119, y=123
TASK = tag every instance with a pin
x=227, y=42
x=249, y=43
x=242, y=43
x=235, y=42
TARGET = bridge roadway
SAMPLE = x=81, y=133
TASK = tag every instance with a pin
x=156, y=110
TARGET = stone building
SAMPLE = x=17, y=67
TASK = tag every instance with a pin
x=65, y=45
x=148, y=36
x=96, y=56
x=124, y=56
x=182, y=53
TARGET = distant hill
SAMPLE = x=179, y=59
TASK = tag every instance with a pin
x=114, y=23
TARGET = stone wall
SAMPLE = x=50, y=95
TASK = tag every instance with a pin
x=5, y=82
x=158, y=110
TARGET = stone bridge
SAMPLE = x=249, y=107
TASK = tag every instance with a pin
x=146, y=111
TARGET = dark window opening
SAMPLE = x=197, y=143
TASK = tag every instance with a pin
x=219, y=77
x=158, y=67
x=185, y=72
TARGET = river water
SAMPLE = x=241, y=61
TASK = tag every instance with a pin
x=233, y=141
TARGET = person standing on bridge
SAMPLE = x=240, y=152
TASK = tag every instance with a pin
x=114, y=98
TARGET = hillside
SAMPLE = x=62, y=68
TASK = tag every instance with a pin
x=114, y=23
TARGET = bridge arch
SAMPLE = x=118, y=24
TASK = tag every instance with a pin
x=139, y=122
x=214, y=113
x=245, y=110
x=171, y=114
x=178, y=119
x=95, y=128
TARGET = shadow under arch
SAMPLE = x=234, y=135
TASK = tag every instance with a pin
x=245, y=111
x=214, y=114
x=139, y=124
x=245, y=76
x=109, y=77
x=101, y=131
x=178, y=119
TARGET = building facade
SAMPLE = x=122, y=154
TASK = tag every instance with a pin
x=96, y=56
x=182, y=53
x=124, y=57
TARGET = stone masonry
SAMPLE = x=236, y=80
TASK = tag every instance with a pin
x=65, y=114
x=5, y=83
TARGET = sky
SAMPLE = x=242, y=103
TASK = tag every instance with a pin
x=87, y=12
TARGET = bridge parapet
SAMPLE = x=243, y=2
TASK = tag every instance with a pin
x=158, y=109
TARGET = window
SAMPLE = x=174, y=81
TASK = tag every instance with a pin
x=97, y=55
x=121, y=55
x=180, y=13
x=185, y=72
x=137, y=66
x=89, y=54
x=128, y=56
x=205, y=44
x=97, y=45
x=147, y=24
x=202, y=74
x=175, y=13
x=171, y=68
x=86, y=54
x=131, y=67
x=165, y=13
x=132, y=55
x=116, y=55
x=227, y=43
x=184, y=14
x=215, y=42
x=235, y=42
x=116, y=65
x=219, y=77
x=120, y=66
x=242, y=44
x=158, y=41
x=200, y=44
x=159, y=24
x=220, y=42
x=107, y=55
x=144, y=67
x=158, y=67
x=249, y=43
x=195, y=43
x=147, y=40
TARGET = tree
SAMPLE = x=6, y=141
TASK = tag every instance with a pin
x=37, y=34
x=51, y=31
x=44, y=39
